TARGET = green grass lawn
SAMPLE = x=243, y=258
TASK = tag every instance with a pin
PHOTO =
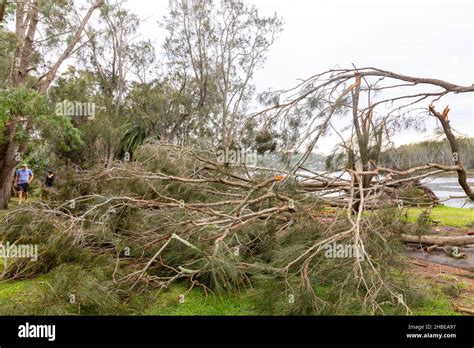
x=171, y=302
x=13, y=204
x=177, y=301
x=449, y=216
x=174, y=301
x=437, y=304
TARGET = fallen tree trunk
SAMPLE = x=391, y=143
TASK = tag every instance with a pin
x=463, y=309
x=427, y=191
x=438, y=240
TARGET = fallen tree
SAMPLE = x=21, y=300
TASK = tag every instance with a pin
x=176, y=214
x=438, y=240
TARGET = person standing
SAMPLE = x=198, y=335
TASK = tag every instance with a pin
x=48, y=184
x=24, y=177
x=50, y=177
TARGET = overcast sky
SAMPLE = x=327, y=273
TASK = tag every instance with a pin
x=420, y=38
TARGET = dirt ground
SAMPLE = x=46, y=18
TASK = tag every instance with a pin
x=450, y=231
x=459, y=281
x=441, y=257
x=455, y=275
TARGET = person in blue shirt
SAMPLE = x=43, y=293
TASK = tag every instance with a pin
x=24, y=177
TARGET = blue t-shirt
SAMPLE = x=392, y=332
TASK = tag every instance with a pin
x=24, y=175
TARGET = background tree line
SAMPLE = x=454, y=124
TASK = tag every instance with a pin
x=413, y=155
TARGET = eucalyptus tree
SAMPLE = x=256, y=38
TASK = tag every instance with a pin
x=213, y=49
x=115, y=55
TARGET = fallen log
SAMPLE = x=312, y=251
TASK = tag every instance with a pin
x=463, y=309
x=438, y=240
x=427, y=191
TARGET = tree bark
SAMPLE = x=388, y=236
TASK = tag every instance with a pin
x=3, y=5
x=438, y=240
x=7, y=170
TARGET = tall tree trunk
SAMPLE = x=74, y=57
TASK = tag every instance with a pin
x=362, y=141
x=3, y=5
x=7, y=171
x=8, y=162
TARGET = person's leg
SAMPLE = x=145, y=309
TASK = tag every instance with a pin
x=26, y=190
x=20, y=192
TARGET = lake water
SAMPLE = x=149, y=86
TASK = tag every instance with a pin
x=445, y=187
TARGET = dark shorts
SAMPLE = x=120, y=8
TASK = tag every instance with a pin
x=25, y=187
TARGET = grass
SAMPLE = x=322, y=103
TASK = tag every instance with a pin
x=448, y=216
x=196, y=302
x=177, y=301
x=12, y=290
x=438, y=303
x=442, y=292
x=13, y=204
x=164, y=303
